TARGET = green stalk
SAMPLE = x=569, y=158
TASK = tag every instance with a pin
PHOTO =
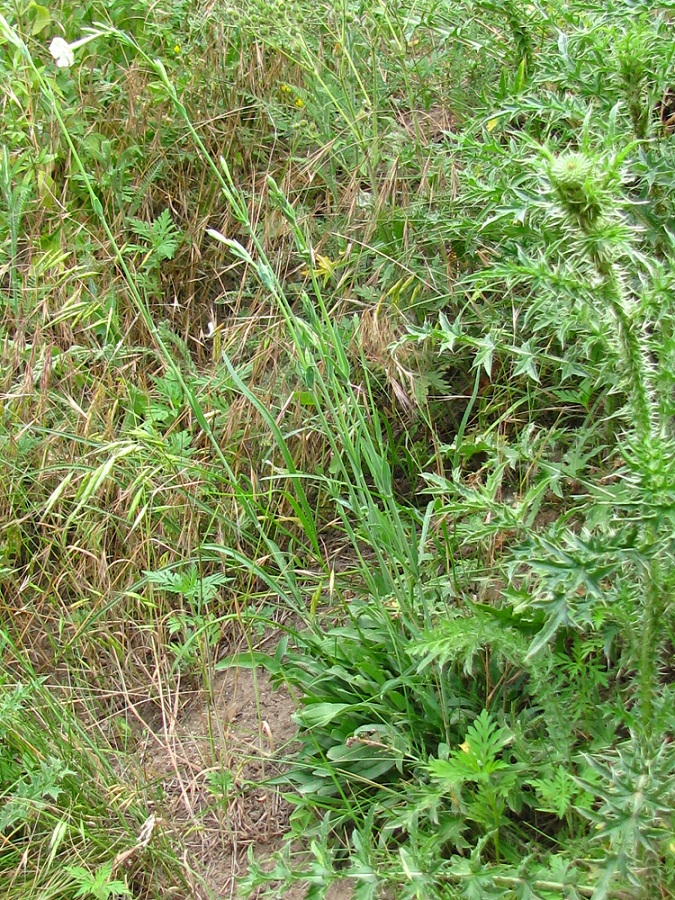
x=646, y=429
x=583, y=193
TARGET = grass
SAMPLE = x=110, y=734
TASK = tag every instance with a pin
x=347, y=326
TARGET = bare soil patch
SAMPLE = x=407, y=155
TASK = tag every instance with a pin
x=240, y=740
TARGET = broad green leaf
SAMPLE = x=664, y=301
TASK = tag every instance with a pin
x=41, y=20
x=319, y=714
x=251, y=660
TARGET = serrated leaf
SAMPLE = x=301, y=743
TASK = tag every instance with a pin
x=485, y=349
x=526, y=364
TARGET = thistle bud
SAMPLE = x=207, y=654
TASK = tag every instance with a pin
x=578, y=188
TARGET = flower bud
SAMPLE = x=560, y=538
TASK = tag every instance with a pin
x=577, y=187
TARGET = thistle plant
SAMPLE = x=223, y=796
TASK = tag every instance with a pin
x=586, y=192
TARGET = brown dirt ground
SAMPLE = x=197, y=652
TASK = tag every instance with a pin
x=246, y=731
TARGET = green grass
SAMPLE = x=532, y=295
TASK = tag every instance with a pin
x=350, y=324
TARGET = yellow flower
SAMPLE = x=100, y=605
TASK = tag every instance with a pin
x=176, y=48
x=299, y=102
x=285, y=89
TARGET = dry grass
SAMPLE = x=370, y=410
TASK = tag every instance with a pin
x=105, y=475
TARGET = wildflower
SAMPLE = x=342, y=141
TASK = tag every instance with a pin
x=299, y=102
x=285, y=89
x=62, y=53
x=176, y=49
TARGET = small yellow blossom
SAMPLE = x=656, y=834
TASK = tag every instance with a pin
x=285, y=89
x=176, y=48
x=299, y=102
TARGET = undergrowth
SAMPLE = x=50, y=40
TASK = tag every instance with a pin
x=350, y=324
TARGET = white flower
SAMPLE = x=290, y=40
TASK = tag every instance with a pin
x=62, y=53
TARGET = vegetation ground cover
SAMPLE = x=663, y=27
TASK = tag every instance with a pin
x=338, y=342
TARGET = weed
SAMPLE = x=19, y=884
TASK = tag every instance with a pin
x=352, y=322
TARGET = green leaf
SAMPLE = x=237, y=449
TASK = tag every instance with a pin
x=362, y=760
x=97, y=884
x=555, y=793
x=250, y=660
x=42, y=18
x=558, y=617
x=526, y=364
x=485, y=348
x=320, y=714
